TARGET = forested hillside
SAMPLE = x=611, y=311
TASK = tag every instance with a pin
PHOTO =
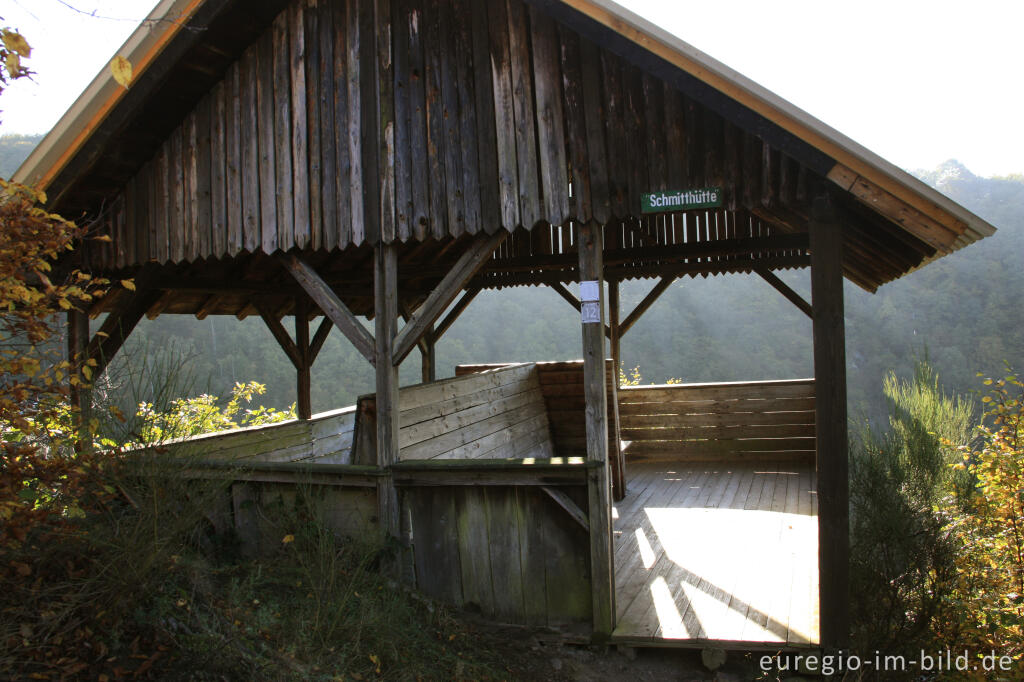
x=964, y=311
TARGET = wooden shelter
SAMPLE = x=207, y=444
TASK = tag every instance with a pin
x=391, y=158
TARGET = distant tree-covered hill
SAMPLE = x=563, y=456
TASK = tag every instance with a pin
x=964, y=311
x=14, y=149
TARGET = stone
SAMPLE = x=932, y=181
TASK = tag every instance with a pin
x=713, y=659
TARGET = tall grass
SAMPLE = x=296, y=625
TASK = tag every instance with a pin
x=139, y=574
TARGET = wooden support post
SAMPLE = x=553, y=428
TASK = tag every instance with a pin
x=780, y=286
x=599, y=495
x=80, y=395
x=303, y=400
x=428, y=370
x=831, y=421
x=385, y=294
x=615, y=450
x=426, y=346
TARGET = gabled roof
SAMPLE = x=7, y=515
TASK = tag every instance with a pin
x=185, y=46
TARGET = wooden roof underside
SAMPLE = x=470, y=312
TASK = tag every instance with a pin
x=259, y=127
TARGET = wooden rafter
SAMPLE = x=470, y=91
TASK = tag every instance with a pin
x=208, y=305
x=160, y=305
x=332, y=306
x=471, y=261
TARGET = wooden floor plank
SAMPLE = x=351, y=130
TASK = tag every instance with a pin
x=645, y=586
x=635, y=566
x=717, y=552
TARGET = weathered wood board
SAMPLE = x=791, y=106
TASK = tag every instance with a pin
x=509, y=551
x=497, y=414
x=763, y=420
x=676, y=581
x=347, y=123
x=326, y=437
x=264, y=513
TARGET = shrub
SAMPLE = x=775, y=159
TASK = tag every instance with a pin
x=903, y=559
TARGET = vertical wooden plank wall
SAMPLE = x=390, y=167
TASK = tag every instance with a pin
x=509, y=551
x=357, y=121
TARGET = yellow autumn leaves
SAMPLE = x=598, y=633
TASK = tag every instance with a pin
x=121, y=70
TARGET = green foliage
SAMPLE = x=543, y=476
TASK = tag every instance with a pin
x=901, y=554
x=990, y=575
x=937, y=523
x=203, y=414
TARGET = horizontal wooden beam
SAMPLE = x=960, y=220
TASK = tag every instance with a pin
x=468, y=264
x=331, y=305
x=780, y=286
x=744, y=247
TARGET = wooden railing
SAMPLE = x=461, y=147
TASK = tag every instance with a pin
x=326, y=438
x=757, y=420
x=495, y=414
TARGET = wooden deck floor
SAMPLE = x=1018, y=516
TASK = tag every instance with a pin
x=724, y=552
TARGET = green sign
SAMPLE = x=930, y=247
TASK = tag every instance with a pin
x=681, y=200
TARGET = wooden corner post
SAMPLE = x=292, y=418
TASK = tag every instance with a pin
x=80, y=396
x=831, y=419
x=385, y=293
x=303, y=400
x=615, y=433
x=599, y=493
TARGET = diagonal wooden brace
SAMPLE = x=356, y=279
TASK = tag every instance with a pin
x=780, y=286
x=441, y=297
x=574, y=302
x=331, y=305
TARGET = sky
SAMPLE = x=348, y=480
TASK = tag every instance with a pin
x=915, y=81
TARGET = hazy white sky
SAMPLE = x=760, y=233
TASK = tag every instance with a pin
x=916, y=81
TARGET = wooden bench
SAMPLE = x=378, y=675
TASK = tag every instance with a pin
x=755, y=420
x=495, y=414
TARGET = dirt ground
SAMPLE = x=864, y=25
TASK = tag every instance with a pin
x=531, y=655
